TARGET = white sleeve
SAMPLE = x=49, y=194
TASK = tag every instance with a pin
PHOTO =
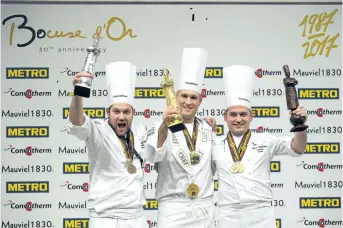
x=282, y=145
x=155, y=154
x=85, y=132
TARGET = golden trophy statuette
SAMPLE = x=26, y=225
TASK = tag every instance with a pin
x=175, y=124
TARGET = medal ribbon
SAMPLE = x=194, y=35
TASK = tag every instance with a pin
x=191, y=142
x=128, y=148
x=237, y=154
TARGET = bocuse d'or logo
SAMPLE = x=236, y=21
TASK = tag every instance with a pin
x=319, y=202
x=318, y=93
x=27, y=187
x=76, y=223
x=323, y=148
x=27, y=72
x=27, y=132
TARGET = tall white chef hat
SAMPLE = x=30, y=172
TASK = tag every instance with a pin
x=239, y=84
x=193, y=66
x=121, y=82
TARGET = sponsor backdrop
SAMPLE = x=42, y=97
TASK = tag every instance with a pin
x=45, y=170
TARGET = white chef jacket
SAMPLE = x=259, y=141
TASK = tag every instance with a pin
x=244, y=191
x=175, y=174
x=113, y=193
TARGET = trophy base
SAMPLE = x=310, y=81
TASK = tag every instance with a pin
x=299, y=128
x=177, y=127
x=82, y=91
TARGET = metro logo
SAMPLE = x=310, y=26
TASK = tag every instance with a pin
x=151, y=204
x=75, y=223
x=93, y=113
x=149, y=92
x=220, y=130
x=216, y=185
x=27, y=132
x=278, y=223
x=323, y=148
x=266, y=111
x=75, y=168
x=322, y=93
x=27, y=73
x=27, y=187
x=213, y=72
x=319, y=202
x=275, y=166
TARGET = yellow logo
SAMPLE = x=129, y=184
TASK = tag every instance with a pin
x=27, y=73
x=27, y=132
x=315, y=30
x=278, y=223
x=149, y=92
x=323, y=148
x=275, y=166
x=267, y=111
x=93, y=113
x=214, y=72
x=216, y=185
x=320, y=202
x=220, y=130
x=325, y=94
x=75, y=223
x=77, y=168
x=113, y=24
x=151, y=204
x=27, y=186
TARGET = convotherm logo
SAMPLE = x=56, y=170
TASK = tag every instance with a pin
x=76, y=223
x=319, y=202
x=149, y=167
x=213, y=72
x=323, y=148
x=266, y=111
x=318, y=93
x=75, y=168
x=70, y=72
x=29, y=150
x=320, y=112
x=262, y=129
x=261, y=72
x=84, y=187
x=322, y=222
x=93, y=113
x=151, y=204
x=321, y=166
x=210, y=92
x=27, y=132
x=27, y=187
x=28, y=206
x=27, y=72
x=29, y=93
x=151, y=223
x=147, y=113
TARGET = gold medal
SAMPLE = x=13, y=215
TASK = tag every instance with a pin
x=234, y=168
x=241, y=168
x=193, y=191
x=130, y=167
x=195, y=158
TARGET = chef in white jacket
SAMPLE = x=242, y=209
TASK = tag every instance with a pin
x=116, y=152
x=243, y=157
x=185, y=186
